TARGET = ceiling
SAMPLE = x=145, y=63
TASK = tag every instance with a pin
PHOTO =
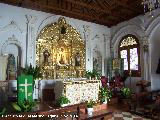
x=104, y=12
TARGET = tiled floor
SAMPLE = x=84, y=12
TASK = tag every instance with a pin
x=126, y=116
x=120, y=112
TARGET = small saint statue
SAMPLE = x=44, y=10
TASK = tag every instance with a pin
x=61, y=60
x=11, y=67
x=46, y=55
x=77, y=59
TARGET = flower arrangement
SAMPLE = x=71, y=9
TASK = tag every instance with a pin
x=157, y=100
x=92, y=74
x=125, y=92
x=25, y=106
x=2, y=112
x=105, y=94
x=143, y=83
x=90, y=103
x=30, y=70
x=63, y=100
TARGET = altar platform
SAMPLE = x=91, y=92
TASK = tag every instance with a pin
x=77, y=90
x=44, y=111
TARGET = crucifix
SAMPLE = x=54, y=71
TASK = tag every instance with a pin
x=25, y=88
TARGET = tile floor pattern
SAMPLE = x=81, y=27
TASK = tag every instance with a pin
x=126, y=116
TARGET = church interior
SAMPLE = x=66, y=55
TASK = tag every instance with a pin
x=79, y=59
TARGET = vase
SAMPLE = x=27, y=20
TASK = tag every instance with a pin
x=90, y=111
x=105, y=101
x=64, y=105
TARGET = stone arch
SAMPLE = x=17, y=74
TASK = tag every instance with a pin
x=153, y=25
x=135, y=30
x=13, y=41
x=151, y=29
x=129, y=29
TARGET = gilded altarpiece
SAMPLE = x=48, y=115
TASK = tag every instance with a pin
x=60, y=51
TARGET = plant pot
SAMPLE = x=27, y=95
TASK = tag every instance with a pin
x=90, y=111
x=105, y=102
x=64, y=105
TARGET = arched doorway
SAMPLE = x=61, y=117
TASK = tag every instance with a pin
x=60, y=51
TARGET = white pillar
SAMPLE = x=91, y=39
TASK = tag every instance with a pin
x=146, y=58
x=86, y=33
x=3, y=66
x=30, y=39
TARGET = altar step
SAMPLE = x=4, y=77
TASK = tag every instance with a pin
x=96, y=108
x=44, y=112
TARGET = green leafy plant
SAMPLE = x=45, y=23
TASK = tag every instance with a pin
x=125, y=92
x=63, y=100
x=105, y=94
x=90, y=103
x=2, y=112
x=93, y=74
x=34, y=71
x=24, y=106
x=88, y=74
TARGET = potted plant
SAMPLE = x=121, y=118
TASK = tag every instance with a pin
x=63, y=101
x=25, y=106
x=92, y=74
x=105, y=95
x=2, y=112
x=125, y=92
x=88, y=74
x=90, y=107
x=34, y=71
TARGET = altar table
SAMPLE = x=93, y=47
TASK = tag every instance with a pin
x=78, y=91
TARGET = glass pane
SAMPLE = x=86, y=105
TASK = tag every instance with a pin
x=124, y=56
x=133, y=59
x=128, y=41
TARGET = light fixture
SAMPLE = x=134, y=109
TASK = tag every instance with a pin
x=150, y=5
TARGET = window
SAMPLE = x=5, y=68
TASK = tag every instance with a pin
x=129, y=50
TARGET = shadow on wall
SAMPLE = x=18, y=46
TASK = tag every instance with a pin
x=158, y=67
x=131, y=83
x=155, y=82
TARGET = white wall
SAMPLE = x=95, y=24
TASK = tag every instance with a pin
x=147, y=30
x=13, y=22
x=13, y=31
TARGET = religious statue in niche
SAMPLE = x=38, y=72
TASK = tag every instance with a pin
x=62, y=57
x=63, y=30
x=116, y=63
x=11, y=67
x=77, y=59
x=97, y=62
x=46, y=55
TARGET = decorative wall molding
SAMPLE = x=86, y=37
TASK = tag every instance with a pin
x=11, y=40
x=128, y=29
x=151, y=28
x=11, y=25
x=95, y=37
x=31, y=19
x=86, y=32
x=54, y=18
x=30, y=39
